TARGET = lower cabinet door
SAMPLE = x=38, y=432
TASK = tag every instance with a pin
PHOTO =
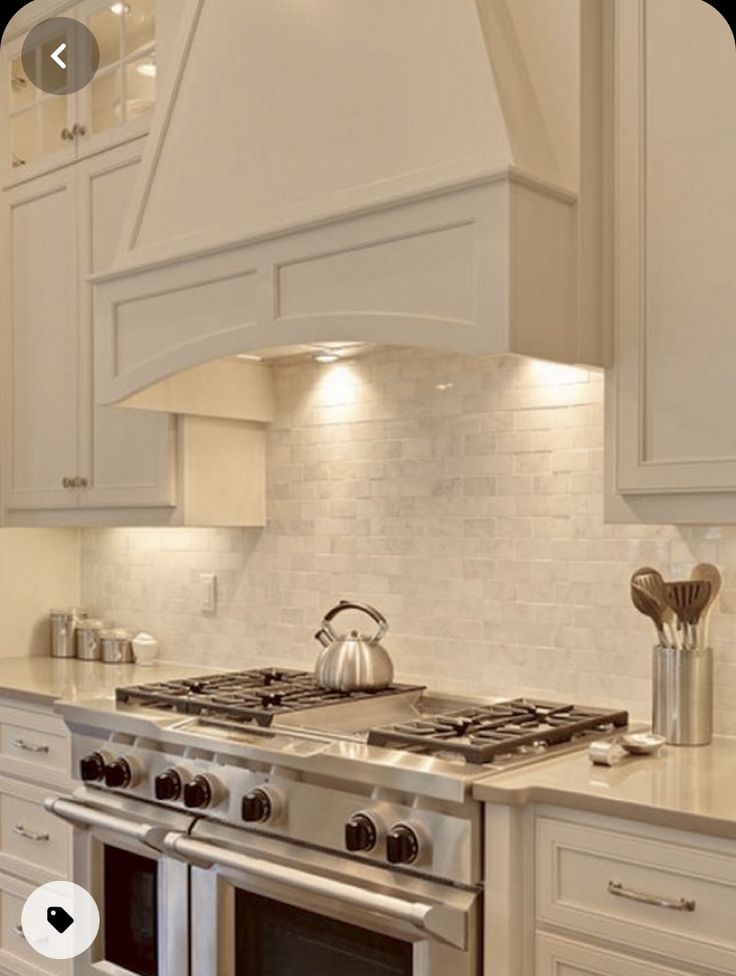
x=16, y=955
x=562, y=957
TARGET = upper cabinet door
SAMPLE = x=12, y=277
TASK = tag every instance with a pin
x=118, y=102
x=40, y=342
x=37, y=128
x=675, y=287
x=126, y=456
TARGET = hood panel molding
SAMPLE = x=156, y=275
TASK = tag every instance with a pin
x=347, y=175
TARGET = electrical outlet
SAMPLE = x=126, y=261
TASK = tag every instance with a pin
x=208, y=583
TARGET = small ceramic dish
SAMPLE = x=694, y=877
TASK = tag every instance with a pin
x=642, y=743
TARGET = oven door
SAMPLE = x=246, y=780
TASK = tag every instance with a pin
x=263, y=907
x=141, y=891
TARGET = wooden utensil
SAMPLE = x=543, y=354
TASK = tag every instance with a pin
x=651, y=580
x=688, y=598
x=709, y=572
x=648, y=605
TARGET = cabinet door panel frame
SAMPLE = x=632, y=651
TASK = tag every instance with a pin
x=636, y=472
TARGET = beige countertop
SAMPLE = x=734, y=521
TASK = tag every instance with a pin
x=690, y=788
x=43, y=680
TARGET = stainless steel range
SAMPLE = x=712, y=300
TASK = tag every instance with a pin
x=255, y=823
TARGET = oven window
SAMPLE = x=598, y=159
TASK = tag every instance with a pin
x=130, y=911
x=273, y=939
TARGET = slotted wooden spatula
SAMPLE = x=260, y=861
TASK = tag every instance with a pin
x=688, y=598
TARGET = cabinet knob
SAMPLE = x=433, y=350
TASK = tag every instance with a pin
x=78, y=130
x=80, y=482
x=67, y=482
x=67, y=134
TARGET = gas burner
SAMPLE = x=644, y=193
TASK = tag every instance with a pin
x=255, y=696
x=486, y=733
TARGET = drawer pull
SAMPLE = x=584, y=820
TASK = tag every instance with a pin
x=18, y=930
x=30, y=746
x=680, y=905
x=22, y=831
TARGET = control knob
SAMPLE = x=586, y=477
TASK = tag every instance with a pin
x=119, y=773
x=260, y=805
x=198, y=792
x=360, y=833
x=167, y=785
x=402, y=845
x=92, y=767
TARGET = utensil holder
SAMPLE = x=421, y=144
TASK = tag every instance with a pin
x=682, y=695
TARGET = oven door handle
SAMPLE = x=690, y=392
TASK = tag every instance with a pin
x=447, y=924
x=85, y=816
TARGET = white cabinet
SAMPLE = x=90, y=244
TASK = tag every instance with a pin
x=61, y=450
x=574, y=893
x=671, y=442
x=35, y=847
x=563, y=957
x=43, y=131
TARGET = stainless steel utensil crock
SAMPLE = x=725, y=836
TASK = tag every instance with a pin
x=63, y=630
x=353, y=662
x=682, y=695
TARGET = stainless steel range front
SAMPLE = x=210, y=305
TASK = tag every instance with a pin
x=252, y=823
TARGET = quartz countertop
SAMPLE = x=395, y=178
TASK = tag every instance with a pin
x=692, y=788
x=43, y=680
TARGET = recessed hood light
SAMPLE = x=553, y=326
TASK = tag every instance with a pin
x=325, y=357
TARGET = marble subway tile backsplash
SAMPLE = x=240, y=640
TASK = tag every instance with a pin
x=461, y=496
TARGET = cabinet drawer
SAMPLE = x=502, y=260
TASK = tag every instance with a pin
x=33, y=843
x=668, y=894
x=562, y=957
x=15, y=953
x=32, y=744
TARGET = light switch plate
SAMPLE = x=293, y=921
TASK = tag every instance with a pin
x=208, y=584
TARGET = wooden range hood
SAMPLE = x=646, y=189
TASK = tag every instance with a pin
x=382, y=171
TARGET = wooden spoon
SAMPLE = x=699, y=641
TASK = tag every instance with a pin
x=709, y=572
x=647, y=604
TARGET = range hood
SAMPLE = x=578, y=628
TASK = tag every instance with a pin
x=373, y=171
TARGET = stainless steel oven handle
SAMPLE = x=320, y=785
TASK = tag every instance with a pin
x=83, y=816
x=446, y=924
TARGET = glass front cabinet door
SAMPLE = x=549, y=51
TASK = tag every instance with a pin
x=44, y=131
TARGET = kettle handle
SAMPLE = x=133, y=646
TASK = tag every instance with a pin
x=327, y=633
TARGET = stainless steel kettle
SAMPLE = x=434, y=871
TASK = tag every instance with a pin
x=353, y=662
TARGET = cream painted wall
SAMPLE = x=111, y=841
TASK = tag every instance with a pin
x=39, y=569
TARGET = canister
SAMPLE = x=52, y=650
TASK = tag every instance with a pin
x=682, y=695
x=63, y=630
x=88, y=640
x=115, y=646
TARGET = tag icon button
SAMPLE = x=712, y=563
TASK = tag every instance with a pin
x=58, y=918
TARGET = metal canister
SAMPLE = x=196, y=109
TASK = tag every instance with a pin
x=115, y=646
x=63, y=630
x=88, y=640
x=682, y=695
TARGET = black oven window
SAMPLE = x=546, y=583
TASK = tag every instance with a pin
x=131, y=911
x=273, y=939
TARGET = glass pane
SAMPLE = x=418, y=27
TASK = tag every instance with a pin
x=107, y=28
x=22, y=92
x=273, y=938
x=130, y=922
x=140, y=25
x=106, y=100
x=24, y=138
x=53, y=120
x=140, y=87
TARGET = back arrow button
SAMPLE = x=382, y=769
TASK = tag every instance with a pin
x=55, y=56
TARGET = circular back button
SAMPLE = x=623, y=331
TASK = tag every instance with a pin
x=60, y=56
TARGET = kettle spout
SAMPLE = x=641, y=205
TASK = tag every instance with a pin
x=323, y=637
